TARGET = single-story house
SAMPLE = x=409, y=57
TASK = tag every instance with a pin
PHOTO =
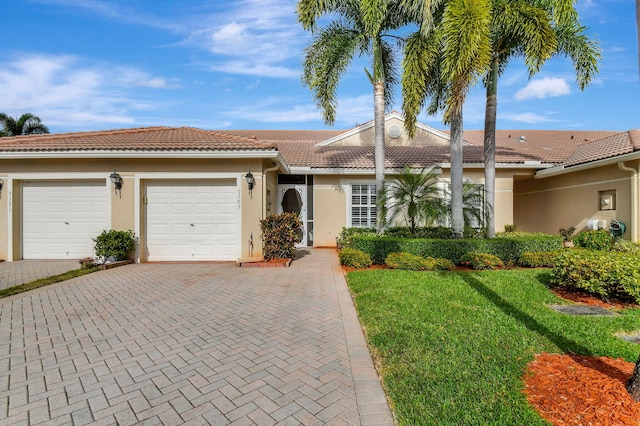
x=185, y=192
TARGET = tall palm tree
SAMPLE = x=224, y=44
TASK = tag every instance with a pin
x=26, y=124
x=535, y=31
x=359, y=28
x=441, y=63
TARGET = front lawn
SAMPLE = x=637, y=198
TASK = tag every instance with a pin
x=452, y=346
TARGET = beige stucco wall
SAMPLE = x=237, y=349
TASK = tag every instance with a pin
x=123, y=205
x=571, y=199
x=367, y=137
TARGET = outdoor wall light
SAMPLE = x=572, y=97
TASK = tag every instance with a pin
x=117, y=181
x=1, y=185
x=251, y=182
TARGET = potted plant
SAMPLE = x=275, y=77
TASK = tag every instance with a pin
x=567, y=234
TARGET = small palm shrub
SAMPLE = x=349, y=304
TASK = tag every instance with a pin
x=537, y=259
x=510, y=228
x=481, y=261
x=280, y=234
x=354, y=258
x=594, y=240
x=116, y=244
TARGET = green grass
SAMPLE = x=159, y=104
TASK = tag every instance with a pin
x=45, y=281
x=452, y=346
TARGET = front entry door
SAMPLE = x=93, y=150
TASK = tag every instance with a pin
x=293, y=199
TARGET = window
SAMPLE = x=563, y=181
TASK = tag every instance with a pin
x=363, y=205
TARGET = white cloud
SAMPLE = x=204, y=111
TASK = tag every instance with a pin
x=63, y=90
x=544, y=88
x=254, y=69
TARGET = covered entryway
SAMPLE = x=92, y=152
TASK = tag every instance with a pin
x=192, y=220
x=60, y=218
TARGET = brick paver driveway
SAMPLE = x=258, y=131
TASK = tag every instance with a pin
x=189, y=343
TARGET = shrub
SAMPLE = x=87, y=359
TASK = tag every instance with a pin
x=507, y=249
x=626, y=247
x=280, y=234
x=440, y=264
x=594, y=240
x=344, y=238
x=411, y=262
x=606, y=274
x=481, y=261
x=354, y=258
x=510, y=228
x=116, y=244
x=536, y=259
x=406, y=261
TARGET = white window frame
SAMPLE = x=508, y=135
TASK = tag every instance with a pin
x=347, y=189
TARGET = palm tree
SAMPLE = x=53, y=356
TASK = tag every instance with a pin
x=441, y=63
x=360, y=28
x=526, y=29
x=417, y=197
x=27, y=124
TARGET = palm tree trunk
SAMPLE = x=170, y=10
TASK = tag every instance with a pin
x=457, y=216
x=378, y=120
x=490, y=147
x=633, y=384
x=378, y=99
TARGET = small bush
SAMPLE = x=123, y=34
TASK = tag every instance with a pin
x=280, y=234
x=594, y=240
x=606, y=274
x=626, y=247
x=537, y=259
x=116, y=244
x=510, y=228
x=407, y=262
x=481, y=261
x=440, y=264
x=354, y=258
x=344, y=239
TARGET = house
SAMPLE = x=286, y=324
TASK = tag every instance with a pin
x=198, y=195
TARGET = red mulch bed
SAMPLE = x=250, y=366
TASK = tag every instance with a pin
x=582, y=390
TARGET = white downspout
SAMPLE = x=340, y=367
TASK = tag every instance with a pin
x=264, y=188
x=634, y=199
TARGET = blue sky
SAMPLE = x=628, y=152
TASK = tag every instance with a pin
x=216, y=64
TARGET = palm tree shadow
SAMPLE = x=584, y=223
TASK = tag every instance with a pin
x=567, y=346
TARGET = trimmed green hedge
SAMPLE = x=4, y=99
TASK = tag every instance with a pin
x=507, y=249
x=411, y=262
x=606, y=274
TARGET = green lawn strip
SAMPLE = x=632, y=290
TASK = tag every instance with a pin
x=45, y=281
x=452, y=346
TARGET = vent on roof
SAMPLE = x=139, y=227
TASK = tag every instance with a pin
x=521, y=138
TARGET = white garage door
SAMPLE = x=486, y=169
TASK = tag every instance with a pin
x=59, y=219
x=192, y=220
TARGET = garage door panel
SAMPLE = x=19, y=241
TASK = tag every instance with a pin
x=60, y=218
x=191, y=210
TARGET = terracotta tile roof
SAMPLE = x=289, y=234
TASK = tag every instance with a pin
x=611, y=146
x=142, y=139
x=300, y=147
x=545, y=146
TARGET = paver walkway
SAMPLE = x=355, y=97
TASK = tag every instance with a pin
x=190, y=343
x=24, y=271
